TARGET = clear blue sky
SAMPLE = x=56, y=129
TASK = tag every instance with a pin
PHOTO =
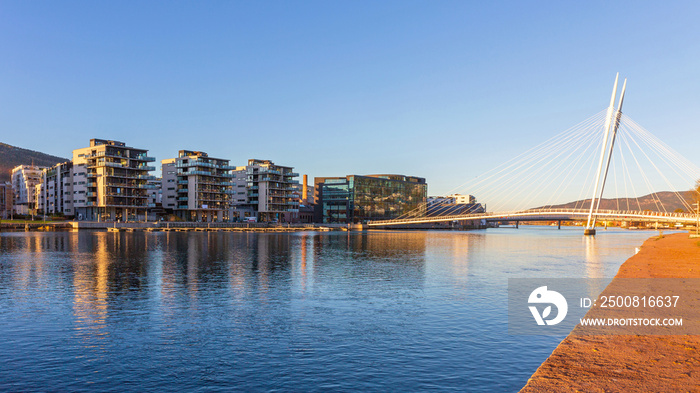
x=439, y=89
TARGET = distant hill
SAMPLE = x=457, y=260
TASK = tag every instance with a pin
x=668, y=199
x=11, y=156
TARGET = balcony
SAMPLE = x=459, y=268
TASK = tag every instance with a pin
x=183, y=190
x=91, y=194
x=143, y=157
x=145, y=168
x=182, y=198
x=145, y=177
x=182, y=173
x=182, y=181
x=291, y=174
x=195, y=163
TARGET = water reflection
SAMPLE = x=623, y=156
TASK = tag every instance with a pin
x=371, y=311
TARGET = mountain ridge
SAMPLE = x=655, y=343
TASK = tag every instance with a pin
x=653, y=202
x=12, y=156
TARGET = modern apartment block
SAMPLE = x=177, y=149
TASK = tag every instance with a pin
x=110, y=181
x=240, y=209
x=453, y=204
x=271, y=191
x=204, y=187
x=55, y=192
x=24, y=181
x=355, y=198
x=168, y=184
x=456, y=199
x=5, y=200
x=155, y=193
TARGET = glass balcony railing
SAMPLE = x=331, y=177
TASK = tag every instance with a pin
x=143, y=157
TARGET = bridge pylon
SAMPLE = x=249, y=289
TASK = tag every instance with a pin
x=612, y=121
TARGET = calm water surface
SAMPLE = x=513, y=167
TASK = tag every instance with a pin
x=377, y=311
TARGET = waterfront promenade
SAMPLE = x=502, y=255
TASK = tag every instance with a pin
x=631, y=363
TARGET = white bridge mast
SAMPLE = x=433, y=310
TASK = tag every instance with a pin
x=590, y=226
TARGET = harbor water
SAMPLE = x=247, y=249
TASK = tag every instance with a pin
x=334, y=311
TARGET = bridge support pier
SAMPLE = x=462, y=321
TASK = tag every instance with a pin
x=517, y=224
x=559, y=224
x=589, y=231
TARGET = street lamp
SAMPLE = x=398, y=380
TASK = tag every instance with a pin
x=697, y=216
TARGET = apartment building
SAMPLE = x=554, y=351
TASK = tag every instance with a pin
x=240, y=210
x=168, y=184
x=54, y=195
x=110, y=181
x=204, y=187
x=453, y=204
x=155, y=193
x=24, y=181
x=271, y=191
x=5, y=200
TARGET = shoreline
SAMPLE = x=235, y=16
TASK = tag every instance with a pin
x=631, y=363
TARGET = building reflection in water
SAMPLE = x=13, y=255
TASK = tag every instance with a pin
x=90, y=292
x=164, y=274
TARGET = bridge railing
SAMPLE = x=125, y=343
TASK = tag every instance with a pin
x=533, y=212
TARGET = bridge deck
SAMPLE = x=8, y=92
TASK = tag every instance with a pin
x=548, y=215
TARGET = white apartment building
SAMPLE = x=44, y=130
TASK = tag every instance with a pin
x=454, y=199
x=24, y=181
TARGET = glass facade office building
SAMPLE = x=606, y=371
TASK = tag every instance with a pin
x=355, y=199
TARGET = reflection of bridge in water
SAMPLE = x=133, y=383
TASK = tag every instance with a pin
x=549, y=169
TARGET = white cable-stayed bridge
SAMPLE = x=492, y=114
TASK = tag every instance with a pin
x=608, y=154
